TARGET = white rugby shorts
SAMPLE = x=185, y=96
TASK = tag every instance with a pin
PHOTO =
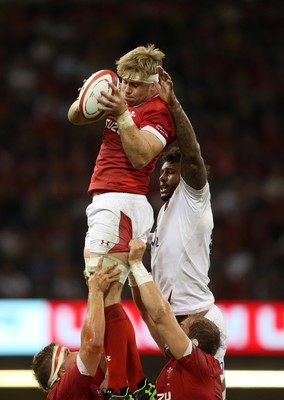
x=116, y=218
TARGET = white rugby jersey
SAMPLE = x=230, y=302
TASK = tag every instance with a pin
x=180, y=249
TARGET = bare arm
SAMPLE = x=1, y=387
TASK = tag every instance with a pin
x=93, y=330
x=157, y=306
x=193, y=169
x=75, y=117
x=147, y=318
x=140, y=146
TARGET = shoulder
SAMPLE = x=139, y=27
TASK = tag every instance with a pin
x=198, y=359
x=71, y=380
x=160, y=105
x=154, y=104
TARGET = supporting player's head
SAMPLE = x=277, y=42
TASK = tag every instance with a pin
x=170, y=173
x=204, y=331
x=47, y=365
x=137, y=69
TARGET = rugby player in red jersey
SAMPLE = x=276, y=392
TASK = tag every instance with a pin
x=138, y=127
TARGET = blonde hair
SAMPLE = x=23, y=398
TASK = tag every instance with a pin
x=140, y=62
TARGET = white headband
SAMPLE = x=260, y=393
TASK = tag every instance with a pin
x=137, y=78
x=56, y=362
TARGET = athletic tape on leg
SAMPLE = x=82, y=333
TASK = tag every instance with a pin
x=107, y=260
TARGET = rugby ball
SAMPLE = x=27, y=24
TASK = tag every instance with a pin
x=91, y=90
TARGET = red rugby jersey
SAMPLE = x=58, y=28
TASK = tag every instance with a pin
x=75, y=386
x=193, y=377
x=113, y=171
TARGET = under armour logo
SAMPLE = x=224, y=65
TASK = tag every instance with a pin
x=104, y=243
x=108, y=358
x=151, y=389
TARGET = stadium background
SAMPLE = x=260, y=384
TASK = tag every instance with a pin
x=226, y=59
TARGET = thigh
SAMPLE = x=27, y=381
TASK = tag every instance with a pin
x=107, y=226
x=114, y=220
x=142, y=216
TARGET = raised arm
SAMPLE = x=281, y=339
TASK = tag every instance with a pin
x=144, y=313
x=193, y=169
x=156, y=305
x=93, y=330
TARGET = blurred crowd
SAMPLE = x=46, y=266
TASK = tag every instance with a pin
x=227, y=61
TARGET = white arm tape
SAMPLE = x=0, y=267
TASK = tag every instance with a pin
x=124, y=120
x=140, y=273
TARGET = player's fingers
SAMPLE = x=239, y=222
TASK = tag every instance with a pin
x=83, y=84
x=111, y=267
x=104, y=97
x=100, y=263
x=160, y=69
x=114, y=276
x=138, y=243
x=114, y=87
x=164, y=76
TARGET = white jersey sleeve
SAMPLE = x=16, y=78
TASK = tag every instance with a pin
x=81, y=367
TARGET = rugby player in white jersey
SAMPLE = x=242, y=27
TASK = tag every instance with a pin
x=180, y=247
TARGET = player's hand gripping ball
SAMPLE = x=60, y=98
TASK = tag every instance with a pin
x=91, y=90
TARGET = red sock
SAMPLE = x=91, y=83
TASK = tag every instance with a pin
x=135, y=371
x=116, y=336
x=123, y=361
